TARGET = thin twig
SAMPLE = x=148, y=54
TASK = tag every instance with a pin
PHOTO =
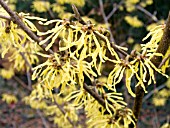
x=77, y=15
x=157, y=124
x=22, y=83
x=28, y=70
x=163, y=61
x=115, y=8
x=152, y=92
x=19, y=22
x=5, y=17
x=49, y=10
x=153, y=17
x=29, y=79
x=63, y=111
x=42, y=118
x=26, y=61
x=94, y=95
x=106, y=21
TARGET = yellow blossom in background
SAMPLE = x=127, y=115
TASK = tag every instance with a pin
x=164, y=93
x=133, y=21
x=35, y=104
x=41, y=6
x=102, y=79
x=7, y=73
x=130, y=7
x=157, y=101
x=9, y=98
x=16, y=60
x=132, y=1
x=130, y=40
x=143, y=4
x=79, y=3
x=12, y=7
x=13, y=1
x=12, y=4
x=65, y=15
x=162, y=96
x=58, y=8
x=149, y=2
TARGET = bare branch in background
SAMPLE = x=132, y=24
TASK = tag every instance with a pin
x=153, y=17
x=115, y=8
x=152, y=92
x=43, y=119
x=63, y=111
x=106, y=21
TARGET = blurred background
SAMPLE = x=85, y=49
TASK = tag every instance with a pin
x=128, y=21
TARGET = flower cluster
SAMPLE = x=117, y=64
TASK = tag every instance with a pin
x=17, y=48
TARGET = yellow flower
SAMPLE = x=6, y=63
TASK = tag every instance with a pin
x=58, y=8
x=154, y=25
x=157, y=101
x=133, y=21
x=116, y=75
x=7, y=73
x=146, y=67
x=41, y=6
x=113, y=101
x=99, y=120
x=165, y=125
x=77, y=3
x=132, y=1
x=26, y=17
x=149, y=2
x=130, y=7
x=156, y=35
x=9, y=98
x=130, y=40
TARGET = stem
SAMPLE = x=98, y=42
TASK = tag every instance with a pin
x=106, y=21
x=63, y=111
x=43, y=119
x=5, y=17
x=156, y=60
x=94, y=95
x=153, y=17
x=115, y=8
x=164, y=61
